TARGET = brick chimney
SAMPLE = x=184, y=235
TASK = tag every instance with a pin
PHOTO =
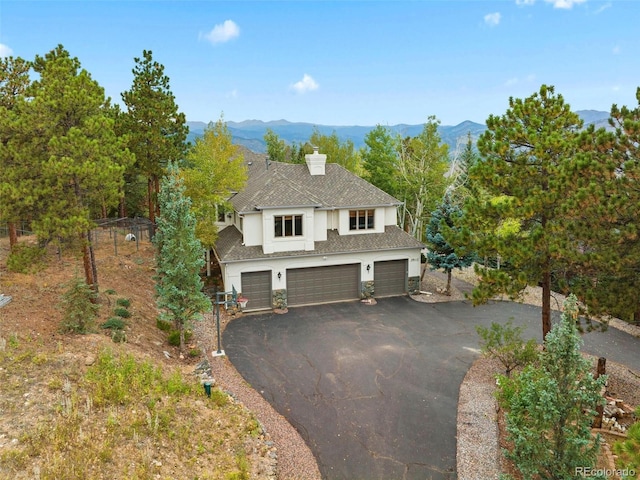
x=316, y=162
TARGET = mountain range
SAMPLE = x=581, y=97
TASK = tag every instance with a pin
x=250, y=133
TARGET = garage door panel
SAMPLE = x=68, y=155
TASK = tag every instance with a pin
x=256, y=286
x=323, y=284
x=390, y=278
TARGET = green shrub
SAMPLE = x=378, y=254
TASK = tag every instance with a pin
x=163, y=325
x=195, y=352
x=505, y=343
x=79, y=309
x=123, y=302
x=122, y=312
x=174, y=337
x=114, y=323
x=119, y=336
x=26, y=258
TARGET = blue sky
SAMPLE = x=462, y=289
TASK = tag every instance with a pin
x=346, y=62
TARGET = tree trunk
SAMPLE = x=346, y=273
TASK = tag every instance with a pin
x=86, y=261
x=546, y=303
x=94, y=266
x=13, y=234
x=152, y=208
x=156, y=184
x=601, y=370
x=122, y=208
x=448, y=289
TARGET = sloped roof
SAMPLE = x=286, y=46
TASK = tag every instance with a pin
x=229, y=246
x=291, y=185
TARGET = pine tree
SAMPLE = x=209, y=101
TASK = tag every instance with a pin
x=157, y=132
x=550, y=407
x=441, y=254
x=15, y=184
x=179, y=257
x=536, y=179
x=68, y=154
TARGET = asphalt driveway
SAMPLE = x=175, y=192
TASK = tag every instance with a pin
x=374, y=389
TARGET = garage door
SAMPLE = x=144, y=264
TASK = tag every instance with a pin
x=256, y=286
x=334, y=283
x=390, y=278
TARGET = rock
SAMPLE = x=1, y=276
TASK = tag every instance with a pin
x=166, y=354
x=89, y=360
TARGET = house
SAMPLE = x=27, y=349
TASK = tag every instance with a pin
x=314, y=233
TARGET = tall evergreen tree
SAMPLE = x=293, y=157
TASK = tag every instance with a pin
x=14, y=181
x=534, y=174
x=441, y=255
x=179, y=257
x=157, y=131
x=380, y=159
x=620, y=292
x=66, y=135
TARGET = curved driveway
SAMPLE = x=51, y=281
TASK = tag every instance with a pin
x=374, y=389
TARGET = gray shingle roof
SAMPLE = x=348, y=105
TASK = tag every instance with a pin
x=291, y=185
x=229, y=246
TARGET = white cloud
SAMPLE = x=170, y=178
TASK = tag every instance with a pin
x=492, y=19
x=307, y=84
x=5, y=51
x=223, y=32
x=602, y=8
x=565, y=4
x=525, y=2
x=517, y=80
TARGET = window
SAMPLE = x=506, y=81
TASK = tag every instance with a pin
x=361, y=219
x=221, y=213
x=288, y=225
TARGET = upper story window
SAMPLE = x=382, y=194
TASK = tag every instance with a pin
x=361, y=219
x=288, y=225
x=221, y=213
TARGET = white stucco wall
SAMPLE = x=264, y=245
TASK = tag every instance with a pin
x=320, y=225
x=379, y=220
x=272, y=244
x=252, y=229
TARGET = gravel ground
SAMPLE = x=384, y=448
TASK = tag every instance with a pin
x=478, y=455
x=287, y=457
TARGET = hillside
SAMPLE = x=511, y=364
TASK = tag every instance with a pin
x=82, y=406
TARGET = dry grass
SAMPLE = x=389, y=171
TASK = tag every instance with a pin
x=82, y=406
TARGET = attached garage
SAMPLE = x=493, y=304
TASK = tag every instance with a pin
x=256, y=287
x=390, y=278
x=333, y=283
